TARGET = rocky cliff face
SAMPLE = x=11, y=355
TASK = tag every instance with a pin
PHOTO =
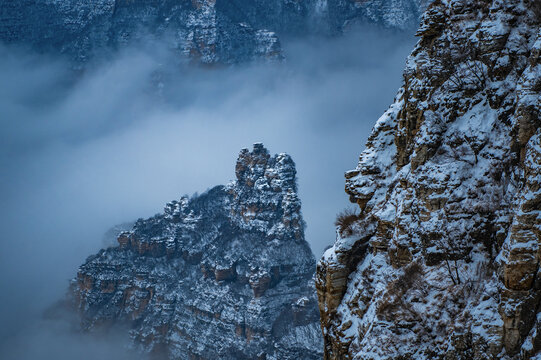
x=223, y=275
x=394, y=14
x=325, y=16
x=442, y=259
x=205, y=31
x=196, y=29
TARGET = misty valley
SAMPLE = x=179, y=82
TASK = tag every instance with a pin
x=270, y=179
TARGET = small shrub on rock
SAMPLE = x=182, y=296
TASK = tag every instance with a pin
x=345, y=221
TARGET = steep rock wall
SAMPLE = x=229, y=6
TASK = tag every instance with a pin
x=442, y=260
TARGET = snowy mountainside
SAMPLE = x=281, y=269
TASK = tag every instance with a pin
x=223, y=275
x=442, y=259
x=195, y=30
x=204, y=31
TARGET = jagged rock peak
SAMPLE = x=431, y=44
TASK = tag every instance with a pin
x=258, y=167
x=442, y=259
x=226, y=274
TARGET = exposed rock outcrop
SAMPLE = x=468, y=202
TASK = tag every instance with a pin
x=223, y=275
x=443, y=260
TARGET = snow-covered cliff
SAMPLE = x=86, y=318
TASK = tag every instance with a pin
x=205, y=31
x=223, y=275
x=442, y=259
x=82, y=29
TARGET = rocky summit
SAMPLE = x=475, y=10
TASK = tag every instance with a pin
x=203, y=31
x=223, y=275
x=441, y=259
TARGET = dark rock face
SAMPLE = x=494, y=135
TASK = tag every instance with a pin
x=205, y=31
x=449, y=191
x=223, y=275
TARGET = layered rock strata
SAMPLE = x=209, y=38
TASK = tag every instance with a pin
x=223, y=275
x=442, y=259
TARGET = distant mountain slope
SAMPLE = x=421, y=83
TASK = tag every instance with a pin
x=205, y=31
x=82, y=29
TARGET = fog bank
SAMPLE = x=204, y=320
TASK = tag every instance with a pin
x=81, y=154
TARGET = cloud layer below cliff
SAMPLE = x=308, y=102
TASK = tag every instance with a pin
x=125, y=137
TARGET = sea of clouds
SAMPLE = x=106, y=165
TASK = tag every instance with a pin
x=83, y=151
